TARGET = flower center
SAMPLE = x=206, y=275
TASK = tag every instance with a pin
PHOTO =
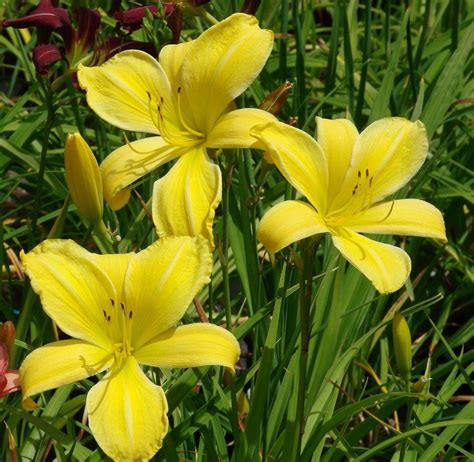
x=182, y=135
x=360, y=199
x=118, y=325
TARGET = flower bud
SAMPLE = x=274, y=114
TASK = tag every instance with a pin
x=83, y=178
x=402, y=345
x=7, y=334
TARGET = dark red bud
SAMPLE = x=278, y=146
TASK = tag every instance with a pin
x=44, y=55
x=114, y=45
x=198, y=2
x=88, y=21
x=169, y=8
x=132, y=19
x=250, y=6
x=175, y=23
x=47, y=19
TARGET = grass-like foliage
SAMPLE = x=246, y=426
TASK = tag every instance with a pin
x=318, y=377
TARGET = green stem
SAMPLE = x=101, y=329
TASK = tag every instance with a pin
x=305, y=329
x=403, y=446
x=225, y=247
x=224, y=260
x=22, y=325
x=48, y=100
x=102, y=238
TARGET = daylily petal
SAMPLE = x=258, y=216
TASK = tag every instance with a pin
x=386, y=266
x=72, y=289
x=161, y=282
x=185, y=199
x=171, y=59
x=232, y=130
x=12, y=382
x=127, y=414
x=221, y=63
x=129, y=163
x=288, y=222
x=336, y=138
x=114, y=266
x=386, y=156
x=192, y=345
x=4, y=358
x=409, y=217
x=60, y=363
x=299, y=158
x=126, y=89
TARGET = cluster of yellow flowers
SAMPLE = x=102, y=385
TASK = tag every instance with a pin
x=122, y=310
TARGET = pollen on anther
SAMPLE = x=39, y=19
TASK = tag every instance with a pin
x=367, y=173
x=108, y=318
x=112, y=302
x=358, y=174
x=130, y=315
x=122, y=306
x=179, y=89
x=105, y=314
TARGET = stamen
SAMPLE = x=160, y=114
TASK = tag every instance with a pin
x=180, y=138
x=388, y=214
x=135, y=150
x=181, y=118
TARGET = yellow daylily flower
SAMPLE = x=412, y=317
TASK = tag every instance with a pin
x=345, y=176
x=187, y=99
x=122, y=311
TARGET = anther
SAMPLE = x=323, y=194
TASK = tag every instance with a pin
x=370, y=181
x=148, y=94
x=122, y=306
x=367, y=173
x=358, y=174
x=112, y=302
x=130, y=315
x=179, y=89
x=108, y=318
x=105, y=314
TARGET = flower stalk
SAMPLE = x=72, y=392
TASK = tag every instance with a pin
x=305, y=296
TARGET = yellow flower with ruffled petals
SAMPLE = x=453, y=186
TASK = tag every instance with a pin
x=122, y=311
x=346, y=176
x=187, y=99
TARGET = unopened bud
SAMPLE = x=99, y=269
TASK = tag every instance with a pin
x=420, y=384
x=402, y=345
x=7, y=334
x=243, y=404
x=83, y=178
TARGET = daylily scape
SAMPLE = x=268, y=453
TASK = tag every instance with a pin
x=345, y=176
x=121, y=311
x=187, y=99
